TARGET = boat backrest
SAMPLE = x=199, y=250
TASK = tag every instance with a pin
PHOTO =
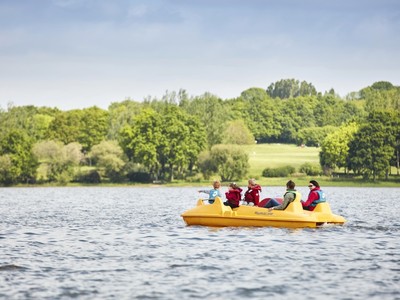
x=200, y=202
x=295, y=205
x=323, y=207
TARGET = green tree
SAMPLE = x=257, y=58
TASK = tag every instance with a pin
x=237, y=133
x=206, y=165
x=8, y=173
x=211, y=112
x=313, y=136
x=32, y=120
x=381, y=95
x=382, y=86
x=335, y=147
x=40, y=125
x=58, y=161
x=66, y=126
x=310, y=169
x=142, y=139
x=87, y=127
x=296, y=113
x=109, y=156
x=372, y=147
x=228, y=161
x=167, y=142
x=259, y=112
x=93, y=127
x=120, y=115
x=334, y=111
x=183, y=139
x=290, y=88
x=16, y=147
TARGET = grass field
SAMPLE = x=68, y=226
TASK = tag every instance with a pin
x=263, y=156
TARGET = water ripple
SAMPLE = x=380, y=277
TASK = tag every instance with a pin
x=131, y=243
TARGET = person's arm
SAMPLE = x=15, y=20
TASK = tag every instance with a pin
x=289, y=197
x=204, y=191
x=313, y=195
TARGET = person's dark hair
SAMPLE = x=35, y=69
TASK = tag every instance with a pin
x=290, y=185
x=234, y=185
x=314, y=183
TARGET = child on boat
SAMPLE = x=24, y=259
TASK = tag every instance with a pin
x=252, y=195
x=233, y=195
x=214, y=192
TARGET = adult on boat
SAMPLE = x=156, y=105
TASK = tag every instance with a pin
x=233, y=195
x=252, y=195
x=315, y=196
x=289, y=197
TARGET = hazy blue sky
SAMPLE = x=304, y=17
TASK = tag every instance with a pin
x=80, y=53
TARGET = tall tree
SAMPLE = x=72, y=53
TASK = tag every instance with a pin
x=335, y=147
x=34, y=121
x=58, y=160
x=66, y=126
x=296, y=113
x=142, y=139
x=381, y=95
x=313, y=136
x=16, y=151
x=290, y=88
x=259, y=112
x=94, y=127
x=372, y=147
x=109, y=157
x=87, y=126
x=228, y=161
x=237, y=133
x=183, y=139
x=120, y=115
x=212, y=113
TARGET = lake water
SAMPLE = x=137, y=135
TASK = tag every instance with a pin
x=131, y=243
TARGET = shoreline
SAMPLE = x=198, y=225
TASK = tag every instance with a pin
x=264, y=182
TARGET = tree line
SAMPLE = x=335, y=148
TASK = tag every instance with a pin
x=190, y=138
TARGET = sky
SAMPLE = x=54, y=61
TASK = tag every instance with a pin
x=74, y=54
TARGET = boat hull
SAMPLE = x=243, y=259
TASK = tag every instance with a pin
x=219, y=215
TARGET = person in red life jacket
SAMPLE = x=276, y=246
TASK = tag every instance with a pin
x=233, y=195
x=252, y=195
x=315, y=196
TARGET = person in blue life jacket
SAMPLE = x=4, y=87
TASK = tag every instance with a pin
x=315, y=196
x=214, y=192
x=289, y=197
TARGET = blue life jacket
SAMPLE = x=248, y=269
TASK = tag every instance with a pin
x=213, y=193
x=322, y=198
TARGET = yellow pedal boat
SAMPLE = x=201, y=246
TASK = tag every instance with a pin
x=219, y=215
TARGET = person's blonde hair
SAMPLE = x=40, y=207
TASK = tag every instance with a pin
x=216, y=184
x=252, y=181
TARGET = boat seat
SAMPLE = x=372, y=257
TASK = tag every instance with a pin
x=323, y=207
x=295, y=205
